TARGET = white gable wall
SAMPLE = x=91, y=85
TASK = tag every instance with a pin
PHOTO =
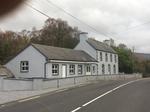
x=83, y=45
x=107, y=63
x=36, y=63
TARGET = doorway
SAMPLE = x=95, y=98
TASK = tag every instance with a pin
x=64, y=71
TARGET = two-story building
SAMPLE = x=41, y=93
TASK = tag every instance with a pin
x=105, y=55
x=90, y=57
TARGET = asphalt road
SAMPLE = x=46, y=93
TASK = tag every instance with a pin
x=103, y=96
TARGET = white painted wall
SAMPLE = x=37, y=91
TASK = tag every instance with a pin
x=83, y=45
x=36, y=63
x=106, y=63
x=49, y=69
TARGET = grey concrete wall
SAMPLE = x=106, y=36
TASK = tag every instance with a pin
x=39, y=84
x=66, y=82
x=15, y=85
x=49, y=84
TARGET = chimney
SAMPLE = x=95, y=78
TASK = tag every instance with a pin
x=83, y=36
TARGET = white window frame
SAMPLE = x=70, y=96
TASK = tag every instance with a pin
x=88, y=68
x=111, y=58
x=103, y=69
x=106, y=57
x=109, y=68
x=80, y=69
x=72, y=69
x=55, y=69
x=94, y=69
x=101, y=56
x=24, y=66
x=114, y=69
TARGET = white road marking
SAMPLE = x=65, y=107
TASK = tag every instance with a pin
x=35, y=97
x=76, y=109
x=110, y=91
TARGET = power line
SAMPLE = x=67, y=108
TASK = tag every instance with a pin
x=37, y=10
x=41, y=12
x=66, y=12
x=89, y=26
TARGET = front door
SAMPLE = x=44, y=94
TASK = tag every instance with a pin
x=88, y=70
x=64, y=71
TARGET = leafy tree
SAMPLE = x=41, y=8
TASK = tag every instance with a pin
x=56, y=33
x=125, y=59
x=10, y=44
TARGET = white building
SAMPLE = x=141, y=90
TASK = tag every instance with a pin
x=90, y=57
x=40, y=61
x=105, y=55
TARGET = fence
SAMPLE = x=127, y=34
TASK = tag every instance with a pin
x=7, y=84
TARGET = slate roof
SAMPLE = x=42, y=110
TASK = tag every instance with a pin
x=100, y=46
x=64, y=54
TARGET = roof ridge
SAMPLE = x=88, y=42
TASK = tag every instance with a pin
x=54, y=47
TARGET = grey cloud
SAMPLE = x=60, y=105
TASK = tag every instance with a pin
x=107, y=16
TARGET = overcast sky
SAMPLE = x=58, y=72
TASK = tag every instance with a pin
x=122, y=20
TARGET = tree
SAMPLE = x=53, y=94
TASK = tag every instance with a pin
x=125, y=59
x=10, y=44
x=56, y=33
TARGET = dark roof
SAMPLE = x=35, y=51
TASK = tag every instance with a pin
x=142, y=56
x=64, y=54
x=100, y=46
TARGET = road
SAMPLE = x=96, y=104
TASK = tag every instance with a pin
x=103, y=96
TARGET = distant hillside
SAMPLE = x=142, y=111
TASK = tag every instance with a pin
x=142, y=56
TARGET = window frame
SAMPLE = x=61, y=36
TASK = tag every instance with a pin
x=72, y=69
x=55, y=69
x=111, y=58
x=106, y=57
x=109, y=68
x=24, y=66
x=94, y=69
x=103, y=69
x=101, y=56
x=88, y=68
x=114, y=69
x=80, y=69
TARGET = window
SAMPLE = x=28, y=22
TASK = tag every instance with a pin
x=79, y=69
x=101, y=56
x=111, y=58
x=24, y=66
x=103, y=69
x=106, y=57
x=72, y=69
x=93, y=69
x=88, y=68
x=115, y=58
x=55, y=69
x=114, y=69
x=109, y=68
